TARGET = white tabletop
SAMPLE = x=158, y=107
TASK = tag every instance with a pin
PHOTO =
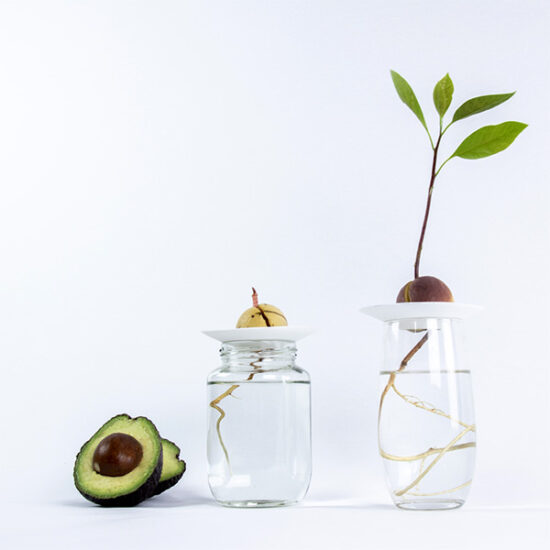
x=188, y=518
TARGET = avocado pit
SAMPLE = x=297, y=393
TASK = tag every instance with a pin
x=261, y=315
x=117, y=455
x=425, y=289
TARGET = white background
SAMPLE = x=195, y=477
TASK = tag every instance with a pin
x=159, y=158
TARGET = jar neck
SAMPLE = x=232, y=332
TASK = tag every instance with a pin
x=258, y=354
x=425, y=324
x=429, y=344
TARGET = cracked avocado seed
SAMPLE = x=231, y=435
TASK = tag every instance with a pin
x=261, y=315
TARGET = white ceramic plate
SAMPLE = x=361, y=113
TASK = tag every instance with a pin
x=421, y=310
x=291, y=334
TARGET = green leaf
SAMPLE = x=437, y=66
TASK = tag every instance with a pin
x=443, y=94
x=489, y=140
x=480, y=104
x=407, y=96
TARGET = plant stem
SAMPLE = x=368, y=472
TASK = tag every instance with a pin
x=443, y=164
x=428, y=204
x=254, y=298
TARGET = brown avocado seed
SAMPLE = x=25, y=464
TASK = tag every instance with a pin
x=117, y=455
x=425, y=289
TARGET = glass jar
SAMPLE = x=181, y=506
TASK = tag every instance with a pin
x=259, y=425
x=426, y=425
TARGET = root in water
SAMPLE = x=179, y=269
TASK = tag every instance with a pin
x=439, y=452
x=426, y=454
x=416, y=494
x=416, y=481
x=404, y=363
x=430, y=408
x=215, y=404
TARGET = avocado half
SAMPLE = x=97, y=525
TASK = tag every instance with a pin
x=172, y=467
x=129, y=489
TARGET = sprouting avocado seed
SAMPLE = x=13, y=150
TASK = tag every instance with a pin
x=117, y=455
x=261, y=315
x=425, y=289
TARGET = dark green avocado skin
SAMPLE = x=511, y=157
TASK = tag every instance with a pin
x=139, y=495
x=167, y=483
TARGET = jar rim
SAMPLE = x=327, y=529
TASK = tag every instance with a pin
x=289, y=334
x=259, y=345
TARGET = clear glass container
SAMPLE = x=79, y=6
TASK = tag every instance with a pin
x=426, y=426
x=259, y=425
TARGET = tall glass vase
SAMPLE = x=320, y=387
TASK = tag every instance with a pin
x=426, y=425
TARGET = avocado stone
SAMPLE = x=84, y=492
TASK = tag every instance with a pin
x=172, y=467
x=129, y=489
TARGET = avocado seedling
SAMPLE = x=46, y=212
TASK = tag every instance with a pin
x=259, y=315
x=482, y=143
x=126, y=462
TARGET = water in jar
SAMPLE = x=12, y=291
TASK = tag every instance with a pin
x=259, y=442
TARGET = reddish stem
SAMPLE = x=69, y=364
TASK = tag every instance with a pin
x=428, y=204
x=254, y=298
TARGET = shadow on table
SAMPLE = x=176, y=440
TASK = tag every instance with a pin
x=345, y=503
x=178, y=501
x=160, y=501
x=184, y=498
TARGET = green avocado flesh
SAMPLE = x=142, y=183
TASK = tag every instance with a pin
x=172, y=467
x=133, y=487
